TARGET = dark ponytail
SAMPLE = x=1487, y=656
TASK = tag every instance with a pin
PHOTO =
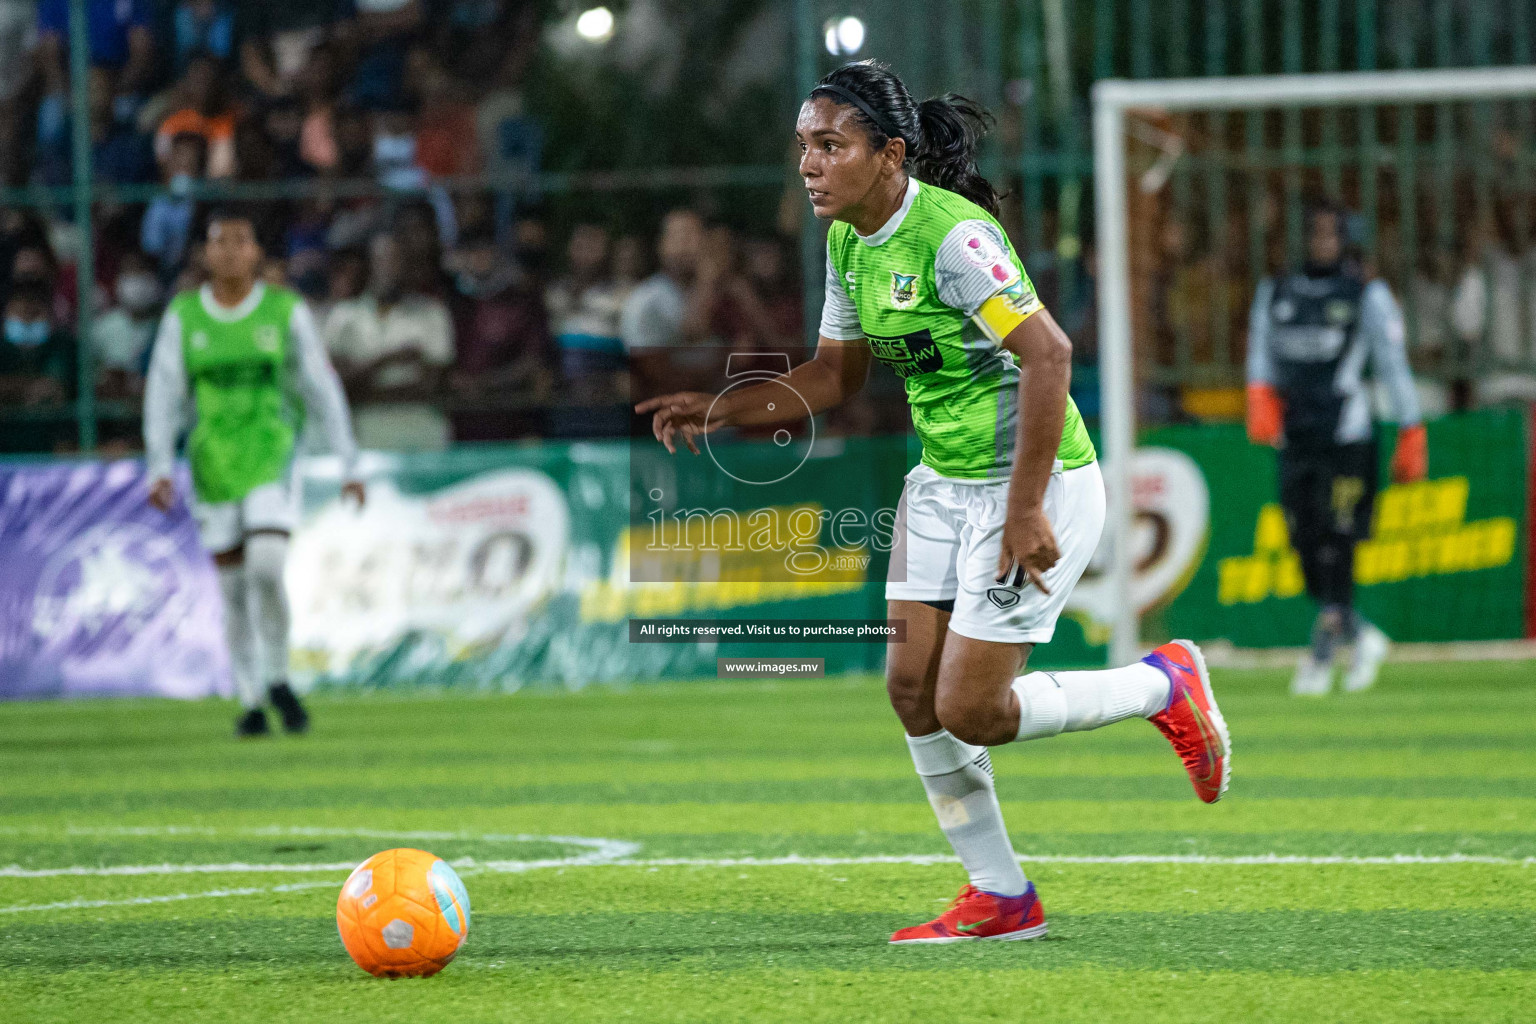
x=942, y=135
x=953, y=128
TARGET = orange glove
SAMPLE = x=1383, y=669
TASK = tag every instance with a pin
x=1265, y=410
x=1410, y=460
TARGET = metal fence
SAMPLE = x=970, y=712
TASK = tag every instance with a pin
x=1432, y=185
x=1033, y=61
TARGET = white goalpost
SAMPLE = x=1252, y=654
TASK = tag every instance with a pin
x=1113, y=101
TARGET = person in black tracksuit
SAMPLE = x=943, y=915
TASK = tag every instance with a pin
x=1317, y=338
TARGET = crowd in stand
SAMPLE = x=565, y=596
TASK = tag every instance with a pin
x=435, y=341
x=456, y=311
x=450, y=311
x=1465, y=277
x=268, y=88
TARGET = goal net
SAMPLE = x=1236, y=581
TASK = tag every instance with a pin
x=1201, y=187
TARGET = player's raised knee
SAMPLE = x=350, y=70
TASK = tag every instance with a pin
x=971, y=719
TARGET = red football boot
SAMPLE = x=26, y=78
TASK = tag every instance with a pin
x=975, y=914
x=1192, y=721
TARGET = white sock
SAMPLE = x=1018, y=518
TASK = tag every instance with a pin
x=237, y=634
x=958, y=780
x=1056, y=702
x=265, y=556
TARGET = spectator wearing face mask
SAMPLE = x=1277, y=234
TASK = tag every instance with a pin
x=121, y=337
x=394, y=149
x=35, y=264
x=392, y=347
x=37, y=368
x=167, y=224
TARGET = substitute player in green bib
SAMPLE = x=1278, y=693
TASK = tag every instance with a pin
x=1002, y=515
x=246, y=360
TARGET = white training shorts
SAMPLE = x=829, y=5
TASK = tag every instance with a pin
x=224, y=526
x=948, y=536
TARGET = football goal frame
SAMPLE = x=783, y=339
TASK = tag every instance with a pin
x=1113, y=100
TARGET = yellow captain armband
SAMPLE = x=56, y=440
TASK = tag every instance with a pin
x=1000, y=314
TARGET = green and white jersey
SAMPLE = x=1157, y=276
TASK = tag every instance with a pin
x=935, y=291
x=250, y=374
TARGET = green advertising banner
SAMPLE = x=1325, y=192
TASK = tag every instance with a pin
x=1445, y=559
x=501, y=566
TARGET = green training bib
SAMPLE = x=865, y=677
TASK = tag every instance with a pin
x=238, y=373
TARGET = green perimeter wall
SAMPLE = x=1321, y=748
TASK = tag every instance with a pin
x=1446, y=561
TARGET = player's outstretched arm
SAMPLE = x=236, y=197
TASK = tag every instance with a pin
x=837, y=372
x=165, y=396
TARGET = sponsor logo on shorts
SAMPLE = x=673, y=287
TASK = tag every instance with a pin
x=1003, y=597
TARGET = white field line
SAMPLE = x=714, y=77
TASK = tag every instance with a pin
x=176, y=897
x=1260, y=859
x=791, y=860
x=596, y=850
x=655, y=863
x=233, y=868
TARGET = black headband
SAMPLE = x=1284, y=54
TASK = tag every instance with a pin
x=849, y=96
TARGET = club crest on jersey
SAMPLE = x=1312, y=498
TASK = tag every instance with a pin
x=267, y=339
x=903, y=290
x=199, y=340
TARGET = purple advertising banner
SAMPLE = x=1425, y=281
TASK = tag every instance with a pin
x=101, y=594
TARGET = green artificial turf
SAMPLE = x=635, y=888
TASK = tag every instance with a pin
x=1437, y=762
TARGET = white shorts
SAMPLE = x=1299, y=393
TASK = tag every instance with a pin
x=952, y=532
x=223, y=526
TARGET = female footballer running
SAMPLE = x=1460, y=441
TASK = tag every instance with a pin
x=999, y=520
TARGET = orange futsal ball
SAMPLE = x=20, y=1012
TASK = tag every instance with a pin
x=403, y=914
